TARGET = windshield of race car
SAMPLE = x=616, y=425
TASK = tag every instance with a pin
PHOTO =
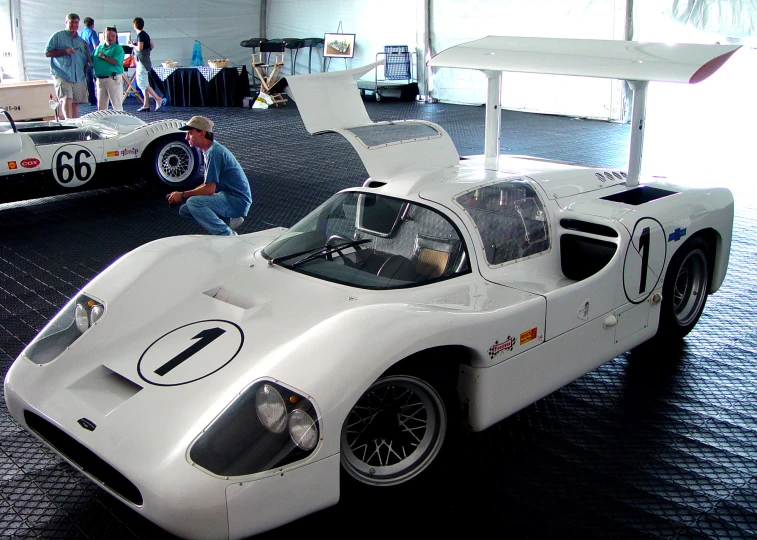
x=372, y=241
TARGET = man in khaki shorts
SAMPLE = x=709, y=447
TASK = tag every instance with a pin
x=69, y=58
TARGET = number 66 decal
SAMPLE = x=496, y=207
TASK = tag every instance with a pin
x=73, y=165
x=645, y=259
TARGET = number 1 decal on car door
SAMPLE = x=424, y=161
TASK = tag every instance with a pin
x=73, y=165
x=645, y=259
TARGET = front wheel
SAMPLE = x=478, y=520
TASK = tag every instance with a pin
x=685, y=289
x=174, y=163
x=394, y=431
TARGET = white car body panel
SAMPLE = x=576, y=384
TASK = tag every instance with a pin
x=130, y=392
x=14, y=149
x=281, y=498
x=546, y=368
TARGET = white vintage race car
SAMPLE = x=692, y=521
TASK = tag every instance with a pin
x=103, y=148
x=221, y=386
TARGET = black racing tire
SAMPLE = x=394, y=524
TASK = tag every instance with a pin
x=398, y=429
x=174, y=164
x=685, y=289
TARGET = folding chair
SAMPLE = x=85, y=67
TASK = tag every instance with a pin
x=130, y=84
x=269, y=74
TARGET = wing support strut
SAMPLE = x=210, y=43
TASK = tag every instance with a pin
x=493, y=120
x=638, y=121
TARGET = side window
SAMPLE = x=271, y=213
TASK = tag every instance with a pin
x=510, y=220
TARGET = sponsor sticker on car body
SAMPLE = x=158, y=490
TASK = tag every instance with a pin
x=527, y=336
x=498, y=347
x=30, y=163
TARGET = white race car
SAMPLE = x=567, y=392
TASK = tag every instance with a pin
x=103, y=148
x=222, y=386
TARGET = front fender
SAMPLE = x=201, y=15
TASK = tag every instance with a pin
x=337, y=360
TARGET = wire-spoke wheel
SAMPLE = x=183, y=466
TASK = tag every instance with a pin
x=685, y=290
x=394, y=431
x=174, y=163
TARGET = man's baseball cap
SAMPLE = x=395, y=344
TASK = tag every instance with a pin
x=199, y=123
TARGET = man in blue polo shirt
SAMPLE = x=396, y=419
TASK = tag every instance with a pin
x=69, y=57
x=220, y=204
x=89, y=34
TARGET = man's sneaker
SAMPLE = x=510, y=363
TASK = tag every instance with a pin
x=235, y=222
x=233, y=233
x=161, y=104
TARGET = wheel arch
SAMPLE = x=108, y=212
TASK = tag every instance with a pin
x=444, y=361
x=717, y=257
x=445, y=358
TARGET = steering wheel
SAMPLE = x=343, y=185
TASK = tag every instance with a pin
x=335, y=240
x=397, y=267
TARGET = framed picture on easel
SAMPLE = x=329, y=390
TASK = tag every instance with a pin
x=339, y=45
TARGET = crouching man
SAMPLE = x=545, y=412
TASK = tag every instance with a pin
x=220, y=204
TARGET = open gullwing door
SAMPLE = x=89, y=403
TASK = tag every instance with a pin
x=331, y=102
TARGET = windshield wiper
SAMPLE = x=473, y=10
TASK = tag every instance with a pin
x=317, y=252
x=328, y=250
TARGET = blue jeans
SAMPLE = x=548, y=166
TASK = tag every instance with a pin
x=212, y=212
x=91, y=86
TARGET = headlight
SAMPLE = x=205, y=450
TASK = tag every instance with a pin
x=271, y=409
x=303, y=430
x=251, y=435
x=95, y=313
x=81, y=317
x=72, y=321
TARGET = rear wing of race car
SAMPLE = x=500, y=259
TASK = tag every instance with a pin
x=636, y=62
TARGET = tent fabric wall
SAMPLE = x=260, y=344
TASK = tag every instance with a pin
x=393, y=22
x=454, y=22
x=6, y=39
x=375, y=23
x=732, y=19
x=173, y=26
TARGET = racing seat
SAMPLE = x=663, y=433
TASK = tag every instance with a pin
x=433, y=257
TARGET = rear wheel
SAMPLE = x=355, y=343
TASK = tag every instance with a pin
x=395, y=430
x=685, y=289
x=174, y=163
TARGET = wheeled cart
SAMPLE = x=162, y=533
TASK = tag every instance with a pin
x=396, y=78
